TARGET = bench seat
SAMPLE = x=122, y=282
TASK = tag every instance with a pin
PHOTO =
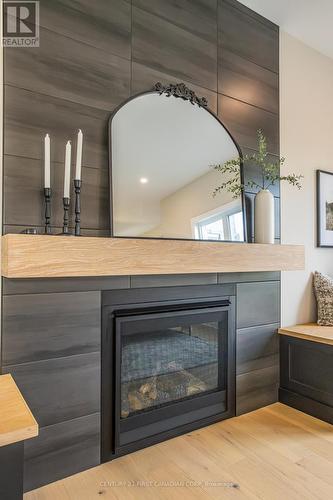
x=306, y=369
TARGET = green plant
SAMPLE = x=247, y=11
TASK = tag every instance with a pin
x=270, y=171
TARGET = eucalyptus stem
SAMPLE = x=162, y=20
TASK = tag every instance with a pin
x=269, y=170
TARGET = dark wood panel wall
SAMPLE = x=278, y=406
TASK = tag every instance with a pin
x=51, y=345
x=92, y=56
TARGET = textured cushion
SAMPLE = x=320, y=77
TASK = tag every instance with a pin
x=323, y=286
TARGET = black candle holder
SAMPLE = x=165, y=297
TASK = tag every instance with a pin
x=77, y=186
x=65, y=229
x=47, y=198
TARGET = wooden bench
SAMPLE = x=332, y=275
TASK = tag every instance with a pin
x=16, y=425
x=306, y=369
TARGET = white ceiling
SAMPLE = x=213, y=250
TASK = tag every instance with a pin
x=311, y=21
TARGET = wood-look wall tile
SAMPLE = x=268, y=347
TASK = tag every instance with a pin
x=250, y=208
x=45, y=326
x=197, y=16
x=61, y=450
x=249, y=277
x=60, y=389
x=257, y=347
x=173, y=280
x=248, y=36
x=55, y=285
x=248, y=82
x=252, y=400
x=24, y=203
x=28, y=116
x=243, y=120
x=144, y=78
x=64, y=68
x=258, y=304
x=256, y=379
x=105, y=24
x=252, y=172
x=249, y=12
x=172, y=50
x=95, y=199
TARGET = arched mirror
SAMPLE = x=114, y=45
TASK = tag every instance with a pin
x=163, y=145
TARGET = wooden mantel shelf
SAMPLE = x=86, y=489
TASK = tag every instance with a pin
x=30, y=256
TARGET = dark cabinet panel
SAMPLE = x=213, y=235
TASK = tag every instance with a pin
x=196, y=16
x=258, y=304
x=28, y=116
x=244, y=120
x=144, y=78
x=44, y=326
x=105, y=24
x=247, y=35
x=248, y=82
x=167, y=48
x=61, y=388
x=307, y=369
x=61, y=450
x=64, y=68
x=24, y=203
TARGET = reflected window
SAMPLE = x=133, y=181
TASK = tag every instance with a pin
x=226, y=223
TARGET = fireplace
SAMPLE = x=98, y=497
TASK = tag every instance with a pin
x=167, y=366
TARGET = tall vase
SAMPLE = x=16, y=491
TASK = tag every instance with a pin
x=264, y=217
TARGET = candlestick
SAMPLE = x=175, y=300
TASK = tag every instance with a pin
x=77, y=186
x=67, y=176
x=79, y=155
x=47, y=197
x=47, y=161
x=66, y=202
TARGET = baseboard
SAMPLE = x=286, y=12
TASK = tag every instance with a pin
x=306, y=405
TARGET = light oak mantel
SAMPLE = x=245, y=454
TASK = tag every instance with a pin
x=16, y=420
x=30, y=256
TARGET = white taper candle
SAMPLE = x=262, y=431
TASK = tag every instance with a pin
x=67, y=177
x=47, y=161
x=79, y=155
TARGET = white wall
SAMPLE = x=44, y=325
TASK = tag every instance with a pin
x=306, y=127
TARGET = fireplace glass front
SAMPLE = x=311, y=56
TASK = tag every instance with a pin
x=170, y=357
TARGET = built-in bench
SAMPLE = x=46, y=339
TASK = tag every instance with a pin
x=306, y=369
x=16, y=425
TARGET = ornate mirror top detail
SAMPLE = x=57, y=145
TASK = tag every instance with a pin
x=180, y=90
x=163, y=145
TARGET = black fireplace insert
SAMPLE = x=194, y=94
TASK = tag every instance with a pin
x=168, y=366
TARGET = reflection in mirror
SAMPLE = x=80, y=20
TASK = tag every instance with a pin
x=162, y=152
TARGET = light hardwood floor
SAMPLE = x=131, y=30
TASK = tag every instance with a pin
x=275, y=453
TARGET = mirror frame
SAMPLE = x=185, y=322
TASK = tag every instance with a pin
x=180, y=91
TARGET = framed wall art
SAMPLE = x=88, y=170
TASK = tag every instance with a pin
x=324, y=208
